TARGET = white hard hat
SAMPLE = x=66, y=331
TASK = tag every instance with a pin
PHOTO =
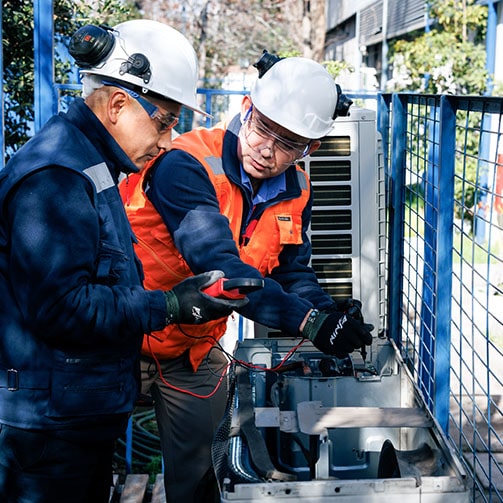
x=298, y=94
x=150, y=56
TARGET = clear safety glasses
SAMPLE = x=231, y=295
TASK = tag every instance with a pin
x=165, y=122
x=253, y=125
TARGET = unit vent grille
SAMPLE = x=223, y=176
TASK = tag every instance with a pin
x=344, y=231
x=331, y=219
x=337, y=146
x=330, y=171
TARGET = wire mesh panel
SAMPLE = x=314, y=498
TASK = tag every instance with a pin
x=446, y=269
x=476, y=422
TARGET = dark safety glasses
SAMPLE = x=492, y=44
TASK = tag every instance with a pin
x=165, y=122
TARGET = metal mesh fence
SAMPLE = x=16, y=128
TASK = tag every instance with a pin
x=446, y=267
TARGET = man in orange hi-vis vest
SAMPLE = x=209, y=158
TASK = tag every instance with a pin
x=233, y=198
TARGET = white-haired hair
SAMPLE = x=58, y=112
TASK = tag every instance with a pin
x=90, y=83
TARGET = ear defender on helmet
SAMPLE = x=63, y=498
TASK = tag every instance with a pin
x=90, y=45
x=144, y=55
x=265, y=62
x=343, y=104
x=138, y=65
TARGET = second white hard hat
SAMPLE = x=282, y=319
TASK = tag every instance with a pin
x=298, y=94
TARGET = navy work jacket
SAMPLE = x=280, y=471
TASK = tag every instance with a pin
x=73, y=310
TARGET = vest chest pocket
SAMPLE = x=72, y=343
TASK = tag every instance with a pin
x=290, y=229
x=271, y=234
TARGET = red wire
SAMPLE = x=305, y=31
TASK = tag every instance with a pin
x=181, y=390
x=224, y=373
x=277, y=367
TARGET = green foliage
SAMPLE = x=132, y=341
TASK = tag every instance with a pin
x=438, y=63
x=289, y=54
x=154, y=467
x=18, y=54
x=335, y=68
x=18, y=70
x=466, y=19
x=450, y=58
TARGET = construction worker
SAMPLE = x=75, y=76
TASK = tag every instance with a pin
x=73, y=310
x=232, y=198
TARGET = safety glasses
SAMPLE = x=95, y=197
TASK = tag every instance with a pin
x=253, y=124
x=164, y=122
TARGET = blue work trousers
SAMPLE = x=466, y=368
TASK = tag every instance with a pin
x=38, y=468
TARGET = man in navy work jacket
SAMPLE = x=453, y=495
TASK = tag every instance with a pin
x=74, y=309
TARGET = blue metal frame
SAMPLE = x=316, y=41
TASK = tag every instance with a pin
x=396, y=215
x=443, y=314
x=447, y=142
x=209, y=93
x=45, y=98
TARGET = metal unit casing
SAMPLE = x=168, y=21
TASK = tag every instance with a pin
x=348, y=213
x=360, y=435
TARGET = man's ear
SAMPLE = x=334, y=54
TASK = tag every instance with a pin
x=117, y=102
x=246, y=103
x=313, y=146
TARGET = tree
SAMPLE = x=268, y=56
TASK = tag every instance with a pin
x=223, y=32
x=447, y=59
x=231, y=32
x=18, y=55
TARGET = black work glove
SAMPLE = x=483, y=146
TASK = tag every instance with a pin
x=186, y=303
x=353, y=307
x=337, y=333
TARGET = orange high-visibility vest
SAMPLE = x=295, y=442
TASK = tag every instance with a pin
x=164, y=266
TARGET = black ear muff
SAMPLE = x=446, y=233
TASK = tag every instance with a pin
x=90, y=45
x=138, y=65
x=265, y=62
x=343, y=104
